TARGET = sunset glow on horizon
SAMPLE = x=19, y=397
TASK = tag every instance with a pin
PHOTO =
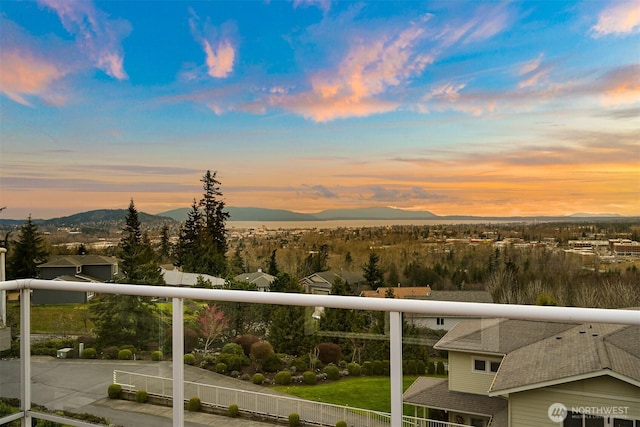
x=455, y=107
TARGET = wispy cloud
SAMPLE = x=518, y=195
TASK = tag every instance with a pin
x=364, y=74
x=323, y=5
x=216, y=43
x=24, y=75
x=619, y=18
x=98, y=36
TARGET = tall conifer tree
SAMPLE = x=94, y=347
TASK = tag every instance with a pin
x=27, y=252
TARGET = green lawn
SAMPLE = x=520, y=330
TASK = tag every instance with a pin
x=371, y=393
x=63, y=319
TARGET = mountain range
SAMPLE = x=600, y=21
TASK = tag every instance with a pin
x=105, y=216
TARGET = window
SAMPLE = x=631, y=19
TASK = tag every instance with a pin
x=479, y=365
x=617, y=422
x=477, y=422
x=486, y=366
x=576, y=419
x=440, y=321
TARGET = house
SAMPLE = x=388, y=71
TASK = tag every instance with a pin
x=74, y=268
x=447, y=322
x=506, y=373
x=412, y=292
x=176, y=277
x=261, y=279
x=321, y=282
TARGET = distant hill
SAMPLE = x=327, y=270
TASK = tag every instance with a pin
x=247, y=214
x=373, y=213
x=590, y=215
x=100, y=217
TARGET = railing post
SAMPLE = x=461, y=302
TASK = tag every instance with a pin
x=395, y=331
x=178, y=362
x=25, y=355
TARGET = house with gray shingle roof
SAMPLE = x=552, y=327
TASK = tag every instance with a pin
x=506, y=373
x=259, y=278
x=74, y=268
x=441, y=322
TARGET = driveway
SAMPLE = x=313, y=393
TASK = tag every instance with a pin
x=80, y=386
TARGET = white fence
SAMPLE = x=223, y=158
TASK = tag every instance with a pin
x=267, y=405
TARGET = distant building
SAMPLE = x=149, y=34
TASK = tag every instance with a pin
x=74, y=268
x=447, y=322
x=321, y=282
x=261, y=279
x=176, y=277
x=410, y=292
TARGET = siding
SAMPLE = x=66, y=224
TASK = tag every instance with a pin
x=529, y=408
x=462, y=377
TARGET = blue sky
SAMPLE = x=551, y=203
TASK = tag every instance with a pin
x=457, y=107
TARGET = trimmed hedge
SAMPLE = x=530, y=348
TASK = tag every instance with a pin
x=194, y=404
x=156, y=356
x=221, y=368
x=125, y=354
x=142, y=396
x=332, y=371
x=310, y=378
x=114, y=391
x=257, y=378
x=283, y=378
x=354, y=369
x=189, y=359
x=234, y=411
x=341, y=424
x=89, y=353
x=294, y=420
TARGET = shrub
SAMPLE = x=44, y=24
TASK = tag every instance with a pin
x=412, y=368
x=114, y=391
x=232, y=348
x=234, y=362
x=342, y=364
x=207, y=360
x=234, y=411
x=194, y=404
x=272, y=364
x=329, y=352
x=283, y=378
x=156, y=356
x=128, y=347
x=440, y=368
x=431, y=368
x=89, y=353
x=332, y=371
x=246, y=341
x=301, y=363
x=310, y=378
x=142, y=396
x=221, y=368
x=378, y=367
x=260, y=352
x=341, y=424
x=367, y=368
x=354, y=369
x=189, y=359
x=125, y=354
x=294, y=420
x=420, y=367
x=257, y=378
x=110, y=352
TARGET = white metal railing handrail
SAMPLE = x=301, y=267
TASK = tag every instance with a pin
x=489, y=310
x=157, y=388
x=395, y=308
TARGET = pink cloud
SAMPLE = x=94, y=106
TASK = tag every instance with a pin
x=24, y=75
x=217, y=45
x=369, y=68
x=220, y=60
x=620, y=18
x=98, y=37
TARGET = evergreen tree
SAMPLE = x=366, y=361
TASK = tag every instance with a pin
x=165, y=244
x=187, y=253
x=372, y=272
x=215, y=219
x=129, y=319
x=273, y=265
x=237, y=262
x=26, y=253
x=138, y=261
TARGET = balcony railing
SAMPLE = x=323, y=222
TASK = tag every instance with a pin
x=395, y=307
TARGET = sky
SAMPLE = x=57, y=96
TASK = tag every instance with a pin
x=457, y=107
